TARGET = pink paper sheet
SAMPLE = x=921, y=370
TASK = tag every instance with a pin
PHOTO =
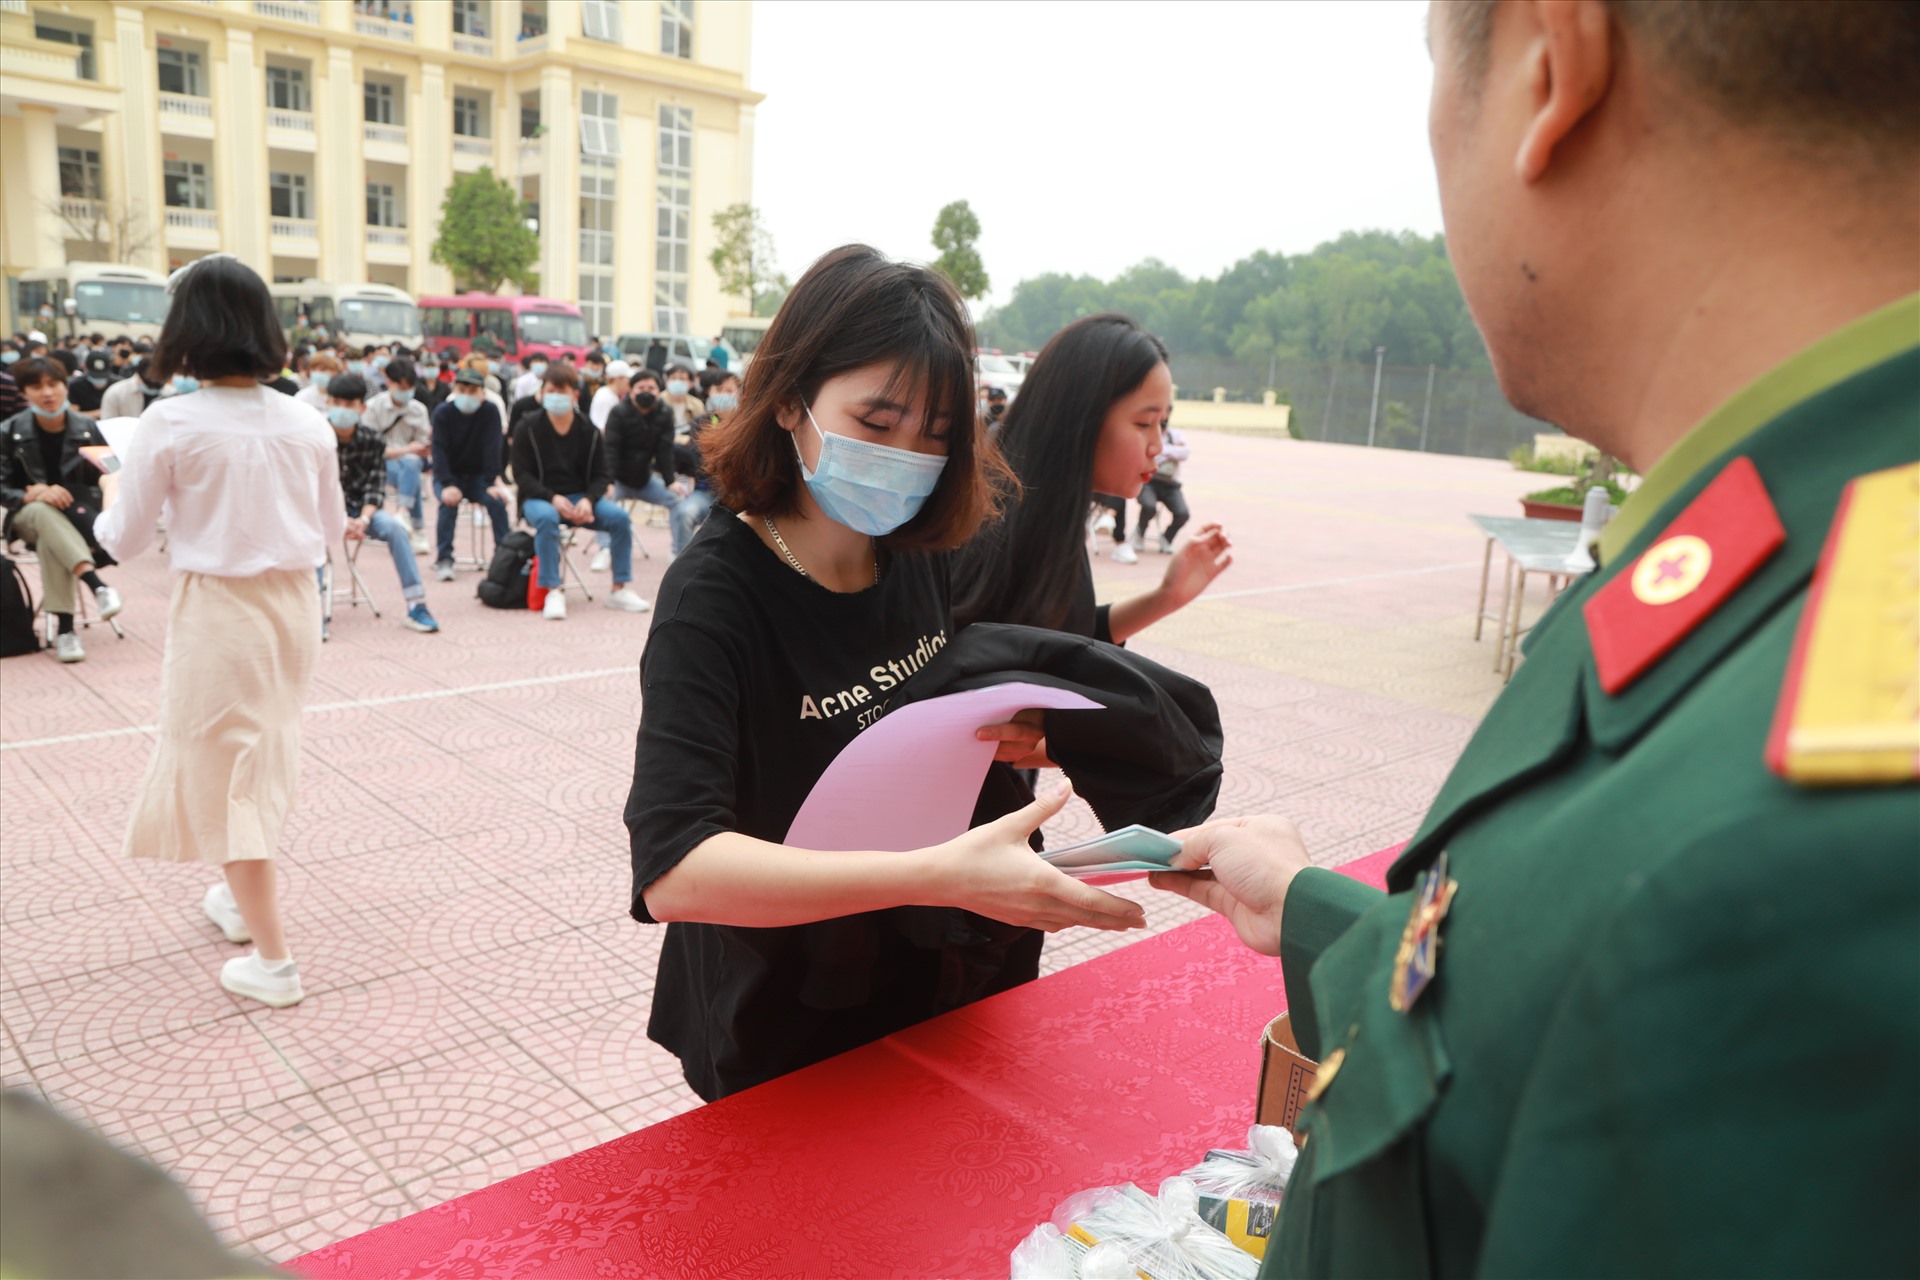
x=912, y=779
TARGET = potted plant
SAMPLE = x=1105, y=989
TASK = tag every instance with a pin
x=1566, y=502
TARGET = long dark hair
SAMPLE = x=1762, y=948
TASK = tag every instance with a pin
x=852, y=308
x=221, y=324
x=1023, y=569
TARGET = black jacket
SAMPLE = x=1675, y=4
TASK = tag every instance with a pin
x=21, y=467
x=640, y=443
x=542, y=456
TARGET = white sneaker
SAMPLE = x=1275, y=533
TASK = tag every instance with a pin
x=627, y=601
x=602, y=560
x=67, y=647
x=420, y=544
x=276, y=986
x=1166, y=545
x=1137, y=543
x=109, y=601
x=1103, y=523
x=556, y=606
x=225, y=912
x=1125, y=554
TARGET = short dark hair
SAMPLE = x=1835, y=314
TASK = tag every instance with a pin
x=680, y=368
x=650, y=375
x=711, y=378
x=853, y=308
x=400, y=369
x=34, y=370
x=221, y=324
x=561, y=375
x=347, y=386
x=366, y=352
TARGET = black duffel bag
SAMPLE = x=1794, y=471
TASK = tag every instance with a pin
x=505, y=586
x=17, y=635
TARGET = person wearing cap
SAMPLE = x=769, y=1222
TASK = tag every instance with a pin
x=401, y=420
x=468, y=444
x=85, y=389
x=619, y=382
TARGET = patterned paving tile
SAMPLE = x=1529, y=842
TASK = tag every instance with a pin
x=603, y=1053
x=355, y=1031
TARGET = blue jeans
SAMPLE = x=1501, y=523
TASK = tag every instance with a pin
x=385, y=528
x=687, y=518
x=473, y=488
x=404, y=475
x=609, y=517
x=654, y=491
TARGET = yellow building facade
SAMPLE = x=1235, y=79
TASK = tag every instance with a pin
x=317, y=138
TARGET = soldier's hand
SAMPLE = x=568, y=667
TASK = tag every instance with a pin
x=1250, y=862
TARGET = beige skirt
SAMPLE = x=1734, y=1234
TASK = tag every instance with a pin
x=240, y=655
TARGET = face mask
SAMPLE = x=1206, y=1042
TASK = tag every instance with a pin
x=98, y=382
x=401, y=395
x=320, y=381
x=9, y=356
x=981, y=406
x=493, y=367
x=356, y=366
x=556, y=403
x=676, y=388
x=537, y=368
x=183, y=384
x=341, y=416
x=722, y=402
x=380, y=362
x=54, y=412
x=870, y=488
x=646, y=400
x=466, y=404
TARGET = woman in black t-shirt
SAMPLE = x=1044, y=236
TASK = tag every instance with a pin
x=814, y=590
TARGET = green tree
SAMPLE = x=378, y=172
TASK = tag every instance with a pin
x=745, y=260
x=484, y=238
x=954, y=232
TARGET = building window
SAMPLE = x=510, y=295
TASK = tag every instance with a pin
x=470, y=18
x=80, y=174
x=384, y=208
x=470, y=116
x=187, y=185
x=676, y=28
x=533, y=19
x=673, y=229
x=383, y=103
x=287, y=89
x=599, y=124
x=530, y=114
x=596, y=300
x=600, y=20
x=287, y=195
x=183, y=71
x=597, y=192
x=391, y=10
x=58, y=28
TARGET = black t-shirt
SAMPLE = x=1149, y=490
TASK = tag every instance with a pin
x=53, y=446
x=83, y=395
x=754, y=678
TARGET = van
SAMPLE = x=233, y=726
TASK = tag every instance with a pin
x=106, y=298
x=660, y=351
x=521, y=327
x=361, y=314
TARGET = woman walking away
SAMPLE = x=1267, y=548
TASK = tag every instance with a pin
x=250, y=489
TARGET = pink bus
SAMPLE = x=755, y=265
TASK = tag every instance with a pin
x=522, y=327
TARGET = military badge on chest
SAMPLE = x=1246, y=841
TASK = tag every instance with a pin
x=1419, y=955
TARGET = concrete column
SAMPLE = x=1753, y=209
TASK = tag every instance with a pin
x=240, y=153
x=339, y=169
x=430, y=127
x=41, y=152
x=137, y=179
x=559, y=179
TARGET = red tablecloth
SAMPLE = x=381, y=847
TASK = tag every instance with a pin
x=930, y=1153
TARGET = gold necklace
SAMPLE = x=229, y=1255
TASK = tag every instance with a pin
x=801, y=569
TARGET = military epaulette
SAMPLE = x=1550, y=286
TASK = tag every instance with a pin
x=1850, y=708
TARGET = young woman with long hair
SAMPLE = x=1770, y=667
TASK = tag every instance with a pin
x=250, y=487
x=853, y=463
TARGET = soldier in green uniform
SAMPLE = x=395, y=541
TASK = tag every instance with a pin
x=1643, y=995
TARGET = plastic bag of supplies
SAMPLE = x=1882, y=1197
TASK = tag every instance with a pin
x=1240, y=1191
x=1115, y=1232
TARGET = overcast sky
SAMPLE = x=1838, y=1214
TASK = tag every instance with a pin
x=1088, y=136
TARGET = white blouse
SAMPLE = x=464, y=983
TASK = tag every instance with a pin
x=247, y=479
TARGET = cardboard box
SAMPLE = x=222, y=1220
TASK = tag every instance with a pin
x=1285, y=1077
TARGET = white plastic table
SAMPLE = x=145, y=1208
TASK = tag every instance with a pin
x=1531, y=546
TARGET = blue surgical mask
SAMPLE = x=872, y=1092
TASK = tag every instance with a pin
x=341, y=416
x=9, y=356
x=467, y=404
x=356, y=366
x=98, y=382
x=870, y=488
x=320, y=381
x=401, y=395
x=57, y=411
x=537, y=368
x=184, y=383
x=493, y=367
x=556, y=403
x=380, y=362
x=677, y=388
x=723, y=402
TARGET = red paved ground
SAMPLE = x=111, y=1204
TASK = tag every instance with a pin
x=456, y=877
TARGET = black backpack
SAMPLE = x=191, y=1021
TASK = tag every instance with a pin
x=17, y=635
x=505, y=586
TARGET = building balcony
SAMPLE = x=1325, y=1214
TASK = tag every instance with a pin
x=386, y=142
x=306, y=12
x=79, y=211
x=474, y=46
x=291, y=130
x=388, y=246
x=193, y=229
x=186, y=115
x=295, y=237
x=470, y=153
x=531, y=151
x=385, y=28
x=528, y=45
x=14, y=6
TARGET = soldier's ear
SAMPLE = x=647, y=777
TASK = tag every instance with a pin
x=1569, y=65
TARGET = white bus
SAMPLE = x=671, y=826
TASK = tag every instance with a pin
x=363, y=314
x=104, y=297
x=743, y=334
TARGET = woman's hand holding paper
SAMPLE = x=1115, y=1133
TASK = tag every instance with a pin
x=993, y=871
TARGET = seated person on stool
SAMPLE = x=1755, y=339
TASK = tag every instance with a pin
x=468, y=439
x=640, y=448
x=54, y=495
x=560, y=465
x=401, y=419
x=722, y=397
x=363, y=479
